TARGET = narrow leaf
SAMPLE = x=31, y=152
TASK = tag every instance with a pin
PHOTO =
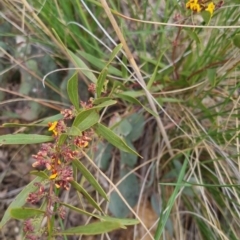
x=164, y=216
x=52, y=118
x=193, y=35
x=40, y=174
x=236, y=40
x=74, y=131
x=72, y=89
x=78, y=210
x=103, y=74
x=19, y=200
x=90, y=178
x=83, y=67
x=24, y=139
x=99, y=64
x=123, y=221
x=92, y=229
x=86, y=119
x=114, y=139
x=100, y=82
x=101, y=100
x=135, y=101
x=105, y=104
x=25, y=213
x=23, y=125
x=114, y=53
x=62, y=139
x=79, y=188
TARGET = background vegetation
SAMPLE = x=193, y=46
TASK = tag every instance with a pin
x=176, y=80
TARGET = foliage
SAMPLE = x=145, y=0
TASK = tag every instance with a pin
x=59, y=159
x=154, y=117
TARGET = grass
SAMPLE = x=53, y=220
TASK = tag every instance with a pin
x=188, y=72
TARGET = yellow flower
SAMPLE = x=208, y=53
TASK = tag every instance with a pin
x=193, y=5
x=52, y=127
x=196, y=8
x=210, y=8
x=53, y=176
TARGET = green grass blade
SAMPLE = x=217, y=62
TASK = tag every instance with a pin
x=166, y=212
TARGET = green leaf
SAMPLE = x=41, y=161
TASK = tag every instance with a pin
x=83, y=67
x=129, y=188
x=123, y=69
x=74, y=131
x=23, y=125
x=156, y=203
x=135, y=101
x=128, y=158
x=137, y=121
x=101, y=81
x=19, y=200
x=123, y=128
x=105, y=104
x=135, y=93
x=62, y=139
x=72, y=89
x=163, y=100
x=98, y=63
x=166, y=212
x=193, y=35
x=24, y=139
x=236, y=40
x=101, y=100
x=103, y=155
x=114, y=53
x=78, y=210
x=79, y=188
x=206, y=17
x=92, y=229
x=40, y=174
x=52, y=118
x=25, y=213
x=86, y=119
x=103, y=74
x=123, y=221
x=114, y=139
x=211, y=73
x=90, y=178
